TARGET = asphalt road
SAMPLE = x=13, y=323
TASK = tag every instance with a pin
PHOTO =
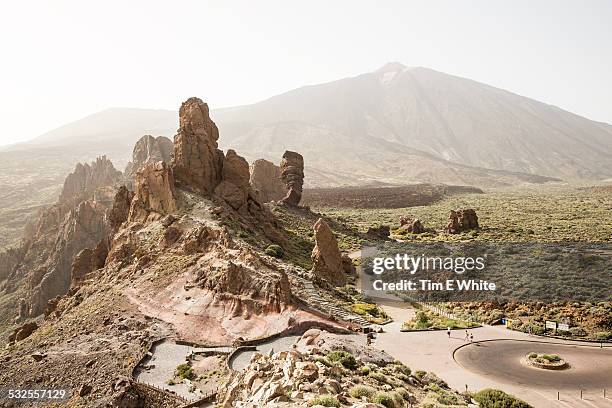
x=500, y=360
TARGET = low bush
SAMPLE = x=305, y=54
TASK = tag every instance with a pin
x=489, y=398
x=324, y=400
x=344, y=358
x=360, y=391
x=384, y=399
x=275, y=251
x=184, y=371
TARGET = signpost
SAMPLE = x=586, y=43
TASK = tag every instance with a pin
x=551, y=325
x=563, y=327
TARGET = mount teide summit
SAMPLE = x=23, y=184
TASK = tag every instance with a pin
x=436, y=116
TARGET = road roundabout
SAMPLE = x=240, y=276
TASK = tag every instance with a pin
x=504, y=361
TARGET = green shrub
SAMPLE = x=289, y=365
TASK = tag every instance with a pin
x=325, y=400
x=365, y=370
x=359, y=391
x=275, y=251
x=489, y=398
x=532, y=355
x=344, y=358
x=380, y=377
x=606, y=335
x=384, y=399
x=551, y=357
x=184, y=371
x=419, y=374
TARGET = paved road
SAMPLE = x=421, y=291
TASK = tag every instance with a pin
x=433, y=351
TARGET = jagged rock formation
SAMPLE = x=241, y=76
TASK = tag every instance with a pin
x=266, y=181
x=41, y=268
x=197, y=161
x=84, y=227
x=120, y=209
x=326, y=258
x=462, y=220
x=148, y=149
x=155, y=195
x=292, y=174
x=412, y=225
x=86, y=178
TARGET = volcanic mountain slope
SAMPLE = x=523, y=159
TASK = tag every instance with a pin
x=413, y=111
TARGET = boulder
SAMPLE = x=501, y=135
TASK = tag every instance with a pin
x=326, y=258
x=22, y=332
x=197, y=162
x=347, y=265
x=382, y=232
x=412, y=225
x=292, y=174
x=462, y=220
x=155, y=195
x=266, y=181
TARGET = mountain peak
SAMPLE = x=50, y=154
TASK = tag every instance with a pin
x=393, y=66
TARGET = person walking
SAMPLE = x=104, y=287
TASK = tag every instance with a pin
x=467, y=336
x=471, y=337
x=448, y=331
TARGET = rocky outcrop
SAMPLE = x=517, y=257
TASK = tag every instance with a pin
x=295, y=378
x=155, y=195
x=197, y=161
x=292, y=174
x=234, y=187
x=412, y=225
x=87, y=261
x=148, y=149
x=22, y=332
x=266, y=181
x=86, y=178
x=326, y=258
x=347, y=265
x=84, y=227
x=381, y=232
x=462, y=220
x=120, y=209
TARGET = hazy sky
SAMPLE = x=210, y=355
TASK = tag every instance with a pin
x=62, y=60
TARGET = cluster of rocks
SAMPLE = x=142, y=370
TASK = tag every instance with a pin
x=411, y=225
x=462, y=220
x=459, y=221
x=282, y=183
x=324, y=367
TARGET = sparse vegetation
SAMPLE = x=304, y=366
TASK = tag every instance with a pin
x=360, y=391
x=344, y=358
x=489, y=398
x=427, y=320
x=275, y=251
x=184, y=371
x=324, y=400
